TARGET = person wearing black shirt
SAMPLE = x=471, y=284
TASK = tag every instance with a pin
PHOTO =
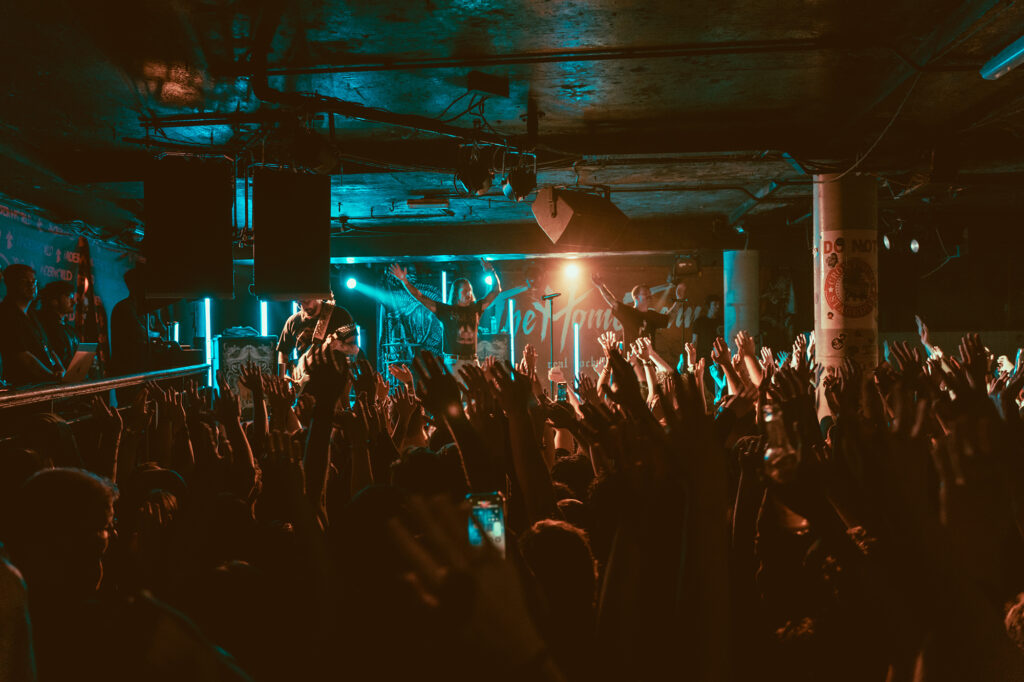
x=129, y=327
x=56, y=302
x=26, y=357
x=708, y=326
x=299, y=329
x=637, y=320
x=460, y=317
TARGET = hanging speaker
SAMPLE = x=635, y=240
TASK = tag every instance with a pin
x=291, y=222
x=189, y=229
x=578, y=214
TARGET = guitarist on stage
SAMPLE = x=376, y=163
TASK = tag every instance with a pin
x=315, y=320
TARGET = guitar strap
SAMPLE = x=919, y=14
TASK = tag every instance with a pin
x=322, y=322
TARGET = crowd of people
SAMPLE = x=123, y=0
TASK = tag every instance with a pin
x=744, y=515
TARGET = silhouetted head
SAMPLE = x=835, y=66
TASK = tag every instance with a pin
x=63, y=529
x=21, y=283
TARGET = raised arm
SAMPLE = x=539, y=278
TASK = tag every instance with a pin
x=496, y=289
x=402, y=275
x=680, y=298
x=603, y=289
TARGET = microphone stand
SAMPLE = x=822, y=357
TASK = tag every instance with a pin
x=550, y=298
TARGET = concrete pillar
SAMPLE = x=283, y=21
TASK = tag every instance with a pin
x=741, y=302
x=846, y=270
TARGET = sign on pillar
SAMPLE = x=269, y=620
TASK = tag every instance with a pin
x=848, y=300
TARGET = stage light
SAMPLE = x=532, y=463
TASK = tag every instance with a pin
x=209, y=341
x=915, y=246
x=264, y=325
x=886, y=242
x=473, y=175
x=512, y=330
x=295, y=309
x=489, y=280
x=175, y=329
x=359, y=336
x=351, y=282
x=1003, y=62
x=519, y=184
x=575, y=352
x=572, y=270
x=350, y=260
x=444, y=286
x=683, y=267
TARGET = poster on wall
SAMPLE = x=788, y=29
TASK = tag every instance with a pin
x=848, y=292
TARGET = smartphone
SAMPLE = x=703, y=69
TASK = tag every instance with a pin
x=489, y=511
x=563, y=392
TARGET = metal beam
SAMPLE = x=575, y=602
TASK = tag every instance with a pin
x=942, y=39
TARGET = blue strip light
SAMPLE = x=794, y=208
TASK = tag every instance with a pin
x=444, y=286
x=575, y=350
x=359, y=336
x=295, y=309
x=209, y=341
x=174, y=330
x=1003, y=62
x=264, y=322
x=512, y=330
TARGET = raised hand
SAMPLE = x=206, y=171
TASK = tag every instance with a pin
x=226, y=405
x=530, y=359
x=908, y=361
x=514, y=391
x=251, y=376
x=608, y=340
x=483, y=590
x=720, y=353
x=745, y=345
x=108, y=419
x=974, y=360
x=557, y=375
x=437, y=387
x=586, y=389
x=401, y=372
x=767, y=358
x=600, y=365
x=399, y=273
x=140, y=413
x=691, y=355
x=487, y=265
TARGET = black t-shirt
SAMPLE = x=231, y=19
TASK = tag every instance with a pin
x=706, y=329
x=460, y=325
x=18, y=333
x=636, y=323
x=60, y=337
x=129, y=338
x=298, y=333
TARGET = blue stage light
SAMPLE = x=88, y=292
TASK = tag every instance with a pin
x=351, y=282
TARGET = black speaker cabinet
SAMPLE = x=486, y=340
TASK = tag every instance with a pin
x=575, y=214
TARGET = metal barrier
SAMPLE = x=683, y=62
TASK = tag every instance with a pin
x=51, y=393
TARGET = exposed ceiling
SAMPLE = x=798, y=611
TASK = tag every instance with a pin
x=707, y=114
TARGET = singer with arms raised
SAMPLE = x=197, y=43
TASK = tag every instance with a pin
x=311, y=326
x=460, y=317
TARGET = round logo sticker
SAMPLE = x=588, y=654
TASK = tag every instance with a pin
x=850, y=288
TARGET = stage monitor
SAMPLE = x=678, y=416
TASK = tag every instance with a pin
x=582, y=215
x=189, y=230
x=291, y=220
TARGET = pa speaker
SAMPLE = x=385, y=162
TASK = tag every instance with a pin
x=578, y=214
x=189, y=228
x=291, y=222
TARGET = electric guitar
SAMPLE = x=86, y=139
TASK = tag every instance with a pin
x=331, y=344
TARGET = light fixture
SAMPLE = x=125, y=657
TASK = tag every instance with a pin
x=444, y=285
x=1005, y=61
x=350, y=260
x=473, y=174
x=572, y=270
x=351, y=282
x=887, y=242
x=359, y=336
x=176, y=328
x=295, y=309
x=489, y=280
x=519, y=183
x=915, y=246
x=264, y=322
x=683, y=267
